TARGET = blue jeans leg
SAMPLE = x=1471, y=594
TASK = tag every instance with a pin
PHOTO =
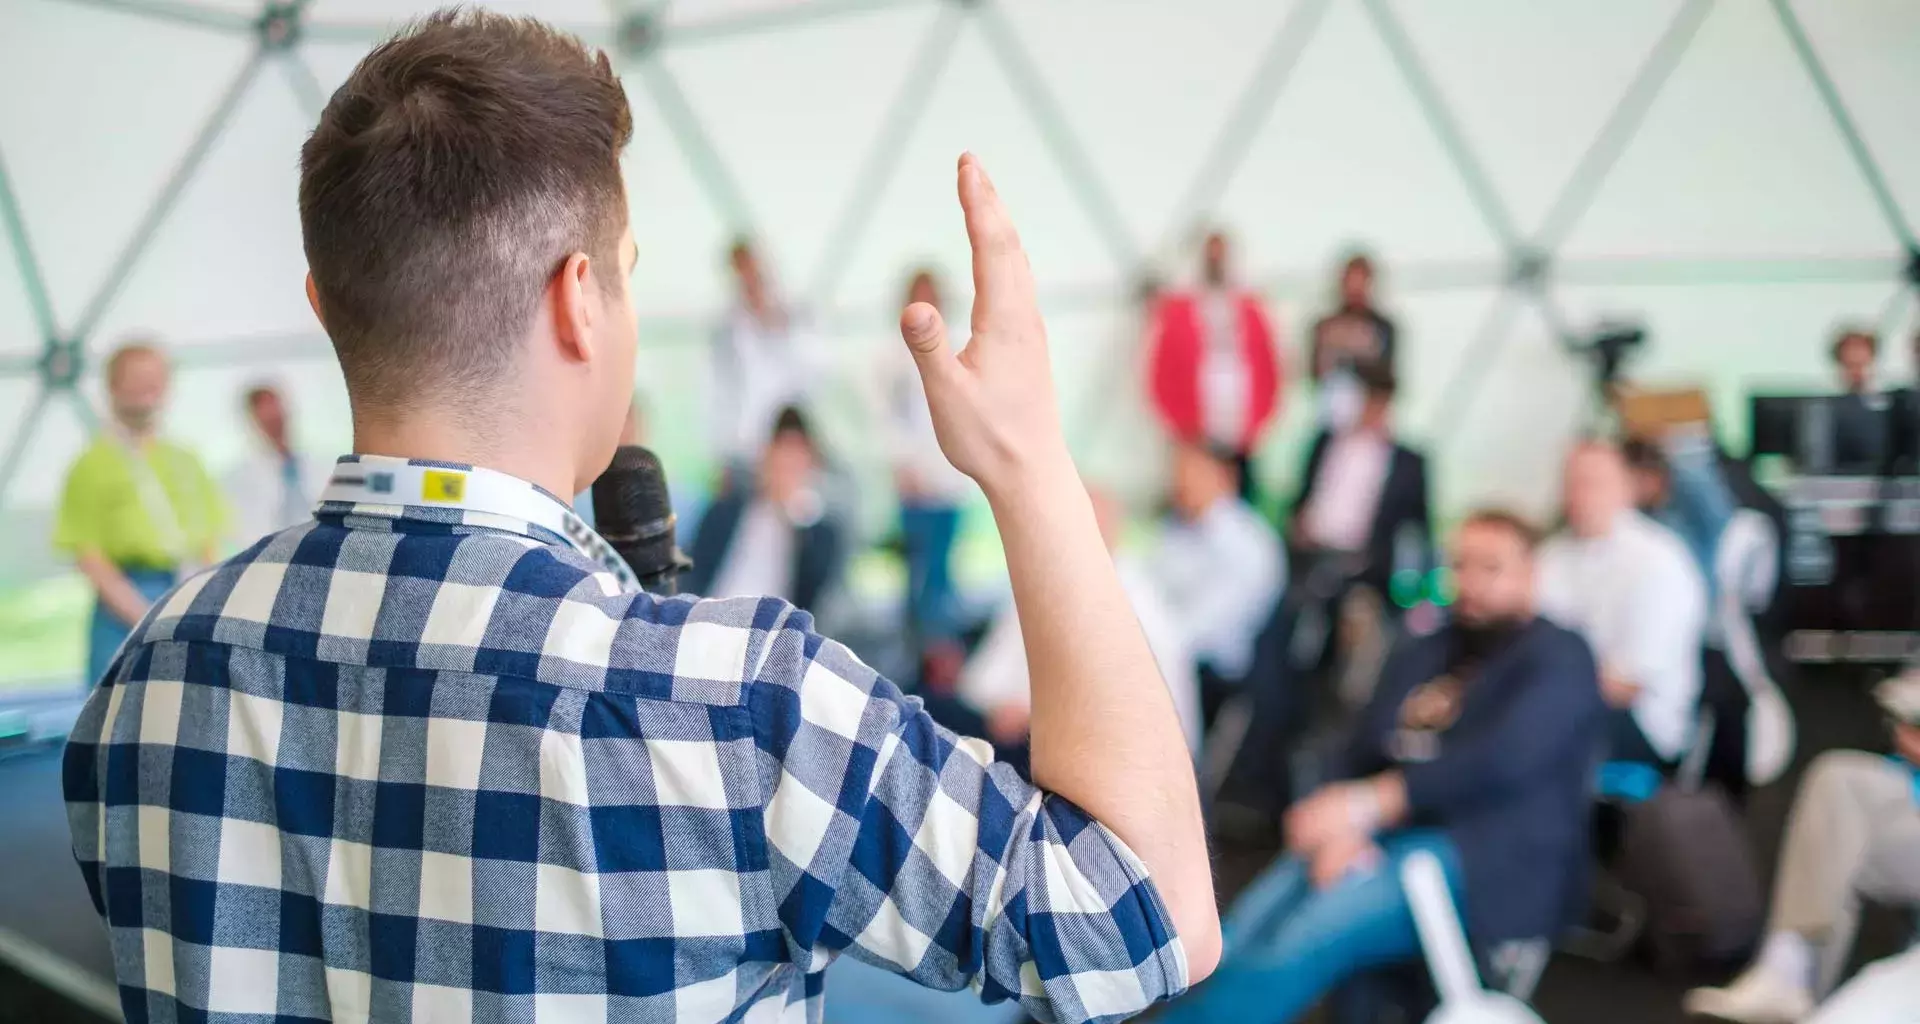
x=106, y=633
x=1291, y=944
x=929, y=532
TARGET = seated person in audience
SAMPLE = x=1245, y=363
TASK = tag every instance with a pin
x=1221, y=567
x=995, y=684
x=1478, y=745
x=1630, y=587
x=1853, y=834
x=1364, y=494
x=776, y=537
x=1677, y=481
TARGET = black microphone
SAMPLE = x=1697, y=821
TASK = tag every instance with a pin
x=632, y=512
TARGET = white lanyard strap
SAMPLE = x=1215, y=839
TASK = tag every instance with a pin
x=478, y=494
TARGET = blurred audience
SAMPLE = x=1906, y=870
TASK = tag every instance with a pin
x=1853, y=835
x=763, y=361
x=1478, y=746
x=1631, y=588
x=1213, y=362
x=931, y=492
x=1221, y=567
x=275, y=486
x=1363, y=495
x=1354, y=336
x=1678, y=482
x=137, y=509
x=995, y=682
x=1861, y=429
x=773, y=537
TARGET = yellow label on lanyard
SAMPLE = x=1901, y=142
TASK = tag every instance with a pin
x=443, y=486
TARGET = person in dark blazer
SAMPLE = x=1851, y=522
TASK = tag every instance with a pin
x=776, y=537
x=1479, y=746
x=1364, y=494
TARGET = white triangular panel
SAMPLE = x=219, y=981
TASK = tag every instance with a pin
x=238, y=224
x=1505, y=447
x=695, y=12
x=16, y=401
x=1734, y=339
x=1900, y=338
x=89, y=153
x=331, y=62
x=1146, y=86
x=1876, y=80
x=19, y=333
x=1736, y=157
x=1346, y=158
x=796, y=150
x=1578, y=59
x=916, y=216
x=206, y=411
x=682, y=237
x=57, y=439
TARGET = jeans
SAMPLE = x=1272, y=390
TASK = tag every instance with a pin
x=1288, y=944
x=107, y=632
x=932, y=602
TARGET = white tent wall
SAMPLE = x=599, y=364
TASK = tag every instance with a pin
x=1739, y=175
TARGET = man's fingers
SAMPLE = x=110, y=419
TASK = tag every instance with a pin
x=1002, y=280
x=926, y=337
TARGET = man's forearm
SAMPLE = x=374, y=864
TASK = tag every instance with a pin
x=1104, y=730
x=115, y=590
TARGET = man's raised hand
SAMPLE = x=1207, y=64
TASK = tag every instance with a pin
x=993, y=404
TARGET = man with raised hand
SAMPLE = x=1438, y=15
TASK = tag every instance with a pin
x=430, y=757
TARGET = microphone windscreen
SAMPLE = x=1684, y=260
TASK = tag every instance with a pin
x=631, y=496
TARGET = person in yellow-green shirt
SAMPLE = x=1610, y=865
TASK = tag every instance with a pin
x=136, y=508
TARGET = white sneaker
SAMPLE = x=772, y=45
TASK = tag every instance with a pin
x=1756, y=997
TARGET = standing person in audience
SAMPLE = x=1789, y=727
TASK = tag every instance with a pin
x=1354, y=336
x=996, y=685
x=1861, y=425
x=1213, y=362
x=1629, y=586
x=1221, y=567
x=763, y=361
x=930, y=490
x=275, y=486
x=596, y=803
x=1477, y=746
x=1363, y=495
x=775, y=538
x=136, y=508
x=1853, y=835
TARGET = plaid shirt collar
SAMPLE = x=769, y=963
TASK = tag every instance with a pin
x=380, y=491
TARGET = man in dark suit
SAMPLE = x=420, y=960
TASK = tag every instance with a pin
x=1363, y=497
x=1478, y=746
x=776, y=536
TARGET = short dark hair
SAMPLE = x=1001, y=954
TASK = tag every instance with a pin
x=1376, y=379
x=257, y=391
x=1644, y=455
x=449, y=178
x=1514, y=523
x=1357, y=260
x=792, y=421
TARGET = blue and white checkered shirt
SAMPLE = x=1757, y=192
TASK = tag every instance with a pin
x=413, y=763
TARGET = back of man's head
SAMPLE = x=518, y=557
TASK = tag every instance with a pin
x=448, y=181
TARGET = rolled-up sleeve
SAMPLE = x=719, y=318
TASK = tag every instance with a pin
x=896, y=841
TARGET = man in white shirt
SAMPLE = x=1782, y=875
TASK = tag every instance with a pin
x=274, y=486
x=1630, y=587
x=995, y=681
x=1221, y=566
x=762, y=362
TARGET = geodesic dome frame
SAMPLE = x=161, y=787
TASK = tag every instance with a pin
x=1527, y=272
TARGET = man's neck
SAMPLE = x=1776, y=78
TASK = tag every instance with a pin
x=139, y=437
x=521, y=455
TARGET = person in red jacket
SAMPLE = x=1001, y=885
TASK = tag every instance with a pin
x=1213, y=362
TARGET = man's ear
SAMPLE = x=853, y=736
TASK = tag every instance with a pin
x=313, y=300
x=573, y=310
